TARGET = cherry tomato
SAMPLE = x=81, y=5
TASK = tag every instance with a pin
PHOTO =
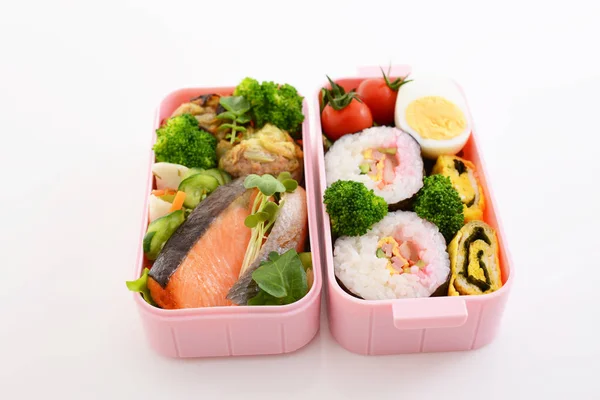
x=342, y=113
x=353, y=118
x=379, y=94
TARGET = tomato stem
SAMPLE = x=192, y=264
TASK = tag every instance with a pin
x=395, y=85
x=337, y=97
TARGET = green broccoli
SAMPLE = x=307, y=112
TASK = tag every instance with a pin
x=181, y=141
x=352, y=208
x=439, y=203
x=272, y=103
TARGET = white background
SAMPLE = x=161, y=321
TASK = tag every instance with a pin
x=78, y=87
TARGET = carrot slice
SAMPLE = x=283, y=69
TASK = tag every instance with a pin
x=178, y=201
x=158, y=193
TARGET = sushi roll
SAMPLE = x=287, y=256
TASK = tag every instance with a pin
x=464, y=179
x=384, y=159
x=474, y=263
x=402, y=256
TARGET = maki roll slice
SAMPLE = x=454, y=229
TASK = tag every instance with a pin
x=474, y=262
x=384, y=159
x=463, y=176
x=401, y=256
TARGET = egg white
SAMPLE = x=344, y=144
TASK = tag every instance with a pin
x=432, y=85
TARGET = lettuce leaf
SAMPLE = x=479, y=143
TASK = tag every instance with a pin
x=140, y=285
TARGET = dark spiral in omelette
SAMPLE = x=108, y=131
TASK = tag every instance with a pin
x=474, y=262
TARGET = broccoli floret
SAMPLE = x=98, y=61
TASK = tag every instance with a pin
x=352, y=208
x=252, y=91
x=181, y=141
x=439, y=203
x=271, y=103
x=179, y=123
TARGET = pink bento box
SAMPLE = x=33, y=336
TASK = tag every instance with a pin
x=234, y=330
x=434, y=324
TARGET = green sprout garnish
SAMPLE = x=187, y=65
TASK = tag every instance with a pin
x=264, y=210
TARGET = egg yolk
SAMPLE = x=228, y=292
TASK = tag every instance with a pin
x=435, y=117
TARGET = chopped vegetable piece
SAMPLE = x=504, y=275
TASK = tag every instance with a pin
x=178, y=201
x=388, y=150
x=159, y=231
x=168, y=175
x=380, y=253
x=196, y=188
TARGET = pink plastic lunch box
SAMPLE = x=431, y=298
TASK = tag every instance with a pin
x=434, y=324
x=234, y=330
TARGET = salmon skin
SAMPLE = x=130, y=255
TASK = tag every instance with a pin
x=202, y=259
x=288, y=232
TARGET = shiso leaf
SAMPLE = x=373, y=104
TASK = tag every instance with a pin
x=282, y=277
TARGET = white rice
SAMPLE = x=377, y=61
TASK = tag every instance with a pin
x=343, y=159
x=364, y=274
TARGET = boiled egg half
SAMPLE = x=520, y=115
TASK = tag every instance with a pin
x=432, y=109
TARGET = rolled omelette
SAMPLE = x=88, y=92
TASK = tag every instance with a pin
x=462, y=174
x=474, y=262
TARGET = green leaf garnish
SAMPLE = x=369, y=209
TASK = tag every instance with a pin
x=285, y=175
x=264, y=211
x=226, y=115
x=235, y=104
x=244, y=119
x=266, y=183
x=286, y=178
x=237, y=108
x=140, y=285
x=251, y=221
x=264, y=299
x=270, y=210
x=290, y=185
x=226, y=126
x=282, y=277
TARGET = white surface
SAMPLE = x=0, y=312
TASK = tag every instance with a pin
x=78, y=84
